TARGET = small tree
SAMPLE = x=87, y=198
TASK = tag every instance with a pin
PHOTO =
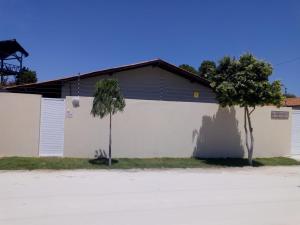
x=207, y=69
x=26, y=76
x=108, y=100
x=245, y=82
x=188, y=68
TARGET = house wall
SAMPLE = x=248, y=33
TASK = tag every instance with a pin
x=20, y=122
x=174, y=129
x=148, y=83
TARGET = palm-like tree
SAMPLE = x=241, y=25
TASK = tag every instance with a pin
x=108, y=100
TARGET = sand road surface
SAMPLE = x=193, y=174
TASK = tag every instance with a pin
x=239, y=196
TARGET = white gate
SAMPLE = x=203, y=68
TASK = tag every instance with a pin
x=296, y=132
x=52, y=127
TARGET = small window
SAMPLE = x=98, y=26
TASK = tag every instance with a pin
x=279, y=115
x=196, y=94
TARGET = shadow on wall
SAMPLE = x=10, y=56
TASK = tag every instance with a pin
x=219, y=136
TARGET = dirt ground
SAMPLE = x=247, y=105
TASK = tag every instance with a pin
x=240, y=196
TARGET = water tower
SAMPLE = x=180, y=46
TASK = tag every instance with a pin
x=11, y=59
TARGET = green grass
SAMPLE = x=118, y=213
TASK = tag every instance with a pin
x=29, y=163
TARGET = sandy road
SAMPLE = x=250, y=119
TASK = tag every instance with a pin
x=269, y=195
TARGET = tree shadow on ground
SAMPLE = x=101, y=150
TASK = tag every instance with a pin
x=101, y=158
x=219, y=136
x=102, y=161
x=229, y=162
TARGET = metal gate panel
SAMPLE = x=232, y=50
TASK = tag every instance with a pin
x=52, y=127
x=296, y=132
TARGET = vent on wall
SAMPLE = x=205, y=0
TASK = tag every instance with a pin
x=279, y=115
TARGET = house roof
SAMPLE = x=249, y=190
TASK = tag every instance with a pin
x=9, y=47
x=155, y=63
x=292, y=102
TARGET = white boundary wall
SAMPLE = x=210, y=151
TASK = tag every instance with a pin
x=19, y=124
x=173, y=129
x=146, y=128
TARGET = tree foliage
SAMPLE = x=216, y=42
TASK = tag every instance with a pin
x=207, y=69
x=188, y=68
x=245, y=82
x=26, y=76
x=108, y=100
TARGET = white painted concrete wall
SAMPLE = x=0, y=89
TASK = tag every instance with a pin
x=146, y=128
x=19, y=124
x=174, y=129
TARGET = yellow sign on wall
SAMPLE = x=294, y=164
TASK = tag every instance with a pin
x=196, y=94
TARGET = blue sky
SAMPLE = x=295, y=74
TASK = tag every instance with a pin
x=68, y=37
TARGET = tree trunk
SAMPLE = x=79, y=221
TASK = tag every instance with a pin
x=248, y=124
x=109, y=150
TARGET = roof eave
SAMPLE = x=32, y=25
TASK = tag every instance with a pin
x=156, y=62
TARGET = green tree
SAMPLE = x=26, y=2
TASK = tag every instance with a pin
x=26, y=76
x=207, y=69
x=245, y=82
x=290, y=95
x=188, y=68
x=108, y=100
